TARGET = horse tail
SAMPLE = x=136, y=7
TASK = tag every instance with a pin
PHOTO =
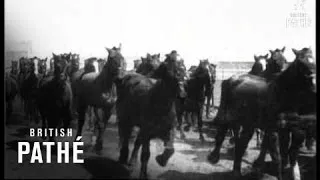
x=221, y=114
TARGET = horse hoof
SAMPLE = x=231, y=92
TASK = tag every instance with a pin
x=160, y=160
x=132, y=162
x=236, y=174
x=98, y=147
x=143, y=175
x=202, y=140
x=213, y=158
x=186, y=128
x=257, y=165
x=231, y=141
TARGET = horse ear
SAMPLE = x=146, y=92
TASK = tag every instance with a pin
x=266, y=56
x=284, y=48
x=295, y=51
x=46, y=59
x=108, y=49
x=159, y=55
x=255, y=57
x=120, y=47
x=54, y=55
x=271, y=51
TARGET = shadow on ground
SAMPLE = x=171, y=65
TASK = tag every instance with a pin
x=105, y=168
x=201, y=156
x=21, y=132
x=176, y=175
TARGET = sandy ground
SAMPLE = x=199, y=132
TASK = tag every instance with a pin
x=188, y=162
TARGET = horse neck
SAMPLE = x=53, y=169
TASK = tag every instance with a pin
x=285, y=80
x=104, y=80
x=163, y=90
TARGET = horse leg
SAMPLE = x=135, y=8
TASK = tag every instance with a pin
x=214, y=156
x=102, y=125
x=125, y=134
x=44, y=124
x=296, y=142
x=212, y=96
x=67, y=118
x=163, y=158
x=240, y=148
x=263, y=152
x=81, y=119
x=208, y=106
x=284, y=138
x=233, y=136
x=309, y=138
x=187, y=118
x=258, y=137
x=179, y=119
x=145, y=155
x=199, y=114
x=194, y=116
x=134, y=155
x=274, y=145
x=53, y=122
x=9, y=109
x=90, y=116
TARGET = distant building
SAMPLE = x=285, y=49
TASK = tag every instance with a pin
x=17, y=50
x=226, y=69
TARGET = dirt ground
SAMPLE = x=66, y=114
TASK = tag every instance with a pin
x=188, y=162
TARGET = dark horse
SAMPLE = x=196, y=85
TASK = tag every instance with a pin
x=148, y=64
x=273, y=67
x=150, y=105
x=93, y=89
x=299, y=117
x=54, y=97
x=11, y=87
x=197, y=88
x=28, y=88
x=253, y=102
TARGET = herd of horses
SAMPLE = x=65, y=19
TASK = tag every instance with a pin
x=275, y=97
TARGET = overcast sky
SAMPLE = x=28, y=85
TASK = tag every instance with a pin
x=225, y=30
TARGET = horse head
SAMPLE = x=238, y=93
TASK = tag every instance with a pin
x=305, y=68
x=115, y=65
x=261, y=61
x=42, y=66
x=23, y=64
x=51, y=64
x=203, y=69
x=75, y=62
x=101, y=63
x=213, y=72
x=14, y=67
x=89, y=65
x=61, y=63
x=149, y=64
x=136, y=63
x=30, y=64
x=277, y=61
x=300, y=76
x=172, y=73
